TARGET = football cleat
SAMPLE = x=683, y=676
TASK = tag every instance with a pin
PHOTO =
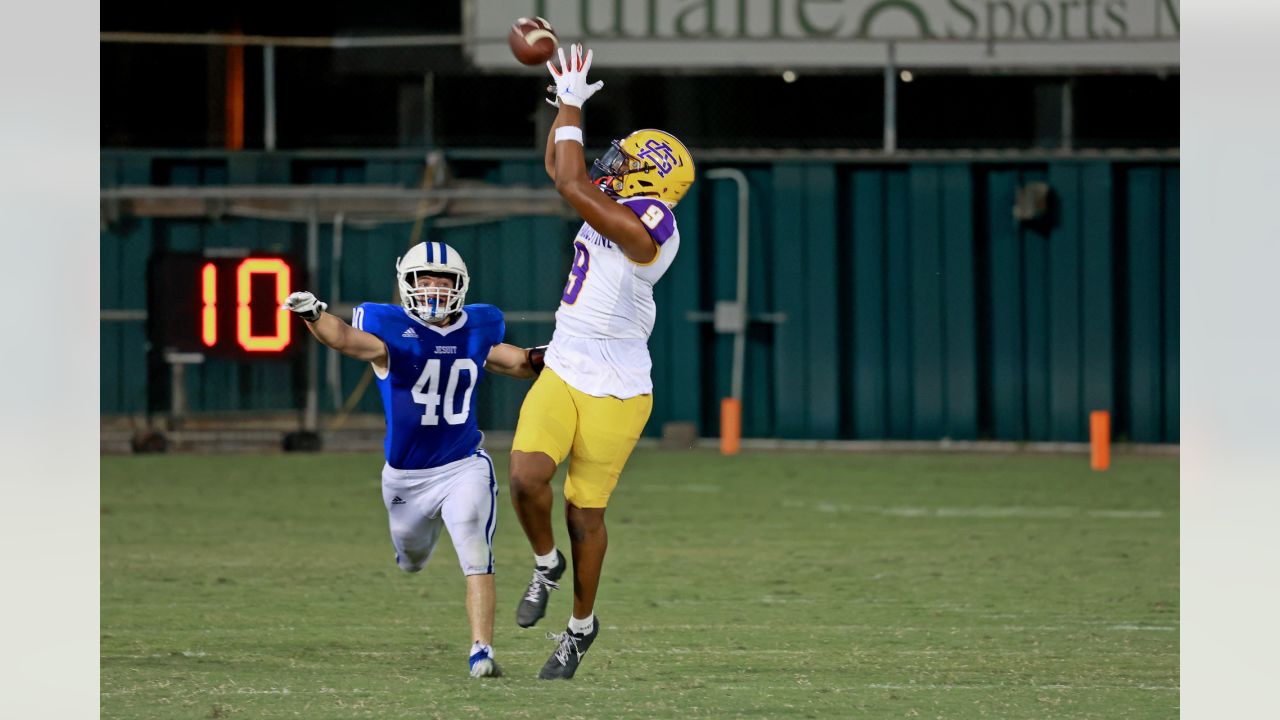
x=483, y=664
x=533, y=605
x=563, y=663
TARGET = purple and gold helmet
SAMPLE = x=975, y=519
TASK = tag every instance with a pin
x=646, y=163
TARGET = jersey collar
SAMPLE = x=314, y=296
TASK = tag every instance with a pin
x=462, y=320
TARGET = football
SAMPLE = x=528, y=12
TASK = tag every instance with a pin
x=533, y=41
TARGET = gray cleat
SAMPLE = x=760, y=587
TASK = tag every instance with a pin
x=563, y=663
x=533, y=605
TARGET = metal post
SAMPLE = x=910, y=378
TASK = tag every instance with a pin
x=740, y=335
x=177, y=394
x=1068, y=110
x=334, y=367
x=269, y=96
x=891, y=99
x=310, y=416
x=178, y=363
x=428, y=110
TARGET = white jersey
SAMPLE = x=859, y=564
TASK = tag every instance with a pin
x=600, y=345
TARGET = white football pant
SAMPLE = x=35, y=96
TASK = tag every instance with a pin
x=461, y=496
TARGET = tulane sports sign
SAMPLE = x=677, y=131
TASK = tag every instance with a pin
x=844, y=33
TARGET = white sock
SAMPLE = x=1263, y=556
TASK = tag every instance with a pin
x=477, y=646
x=582, y=627
x=546, y=561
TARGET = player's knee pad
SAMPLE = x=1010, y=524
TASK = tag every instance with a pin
x=410, y=563
x=476, y=559
x=471, y=515
x=412, y=550
x=472, y=540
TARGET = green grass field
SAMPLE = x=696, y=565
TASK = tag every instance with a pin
x=766, y=585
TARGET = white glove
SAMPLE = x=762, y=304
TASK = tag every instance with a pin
x=572, y=87
x=305, y=305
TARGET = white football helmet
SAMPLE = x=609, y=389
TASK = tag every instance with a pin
x=433, y=305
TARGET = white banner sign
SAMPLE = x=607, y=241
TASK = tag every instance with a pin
x=676, y=34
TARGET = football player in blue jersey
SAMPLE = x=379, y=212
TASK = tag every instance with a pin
x=429, y=355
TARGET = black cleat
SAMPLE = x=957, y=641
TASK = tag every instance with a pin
x=563, y=663
x=533, y=605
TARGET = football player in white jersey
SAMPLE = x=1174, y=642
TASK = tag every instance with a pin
x=593, y=397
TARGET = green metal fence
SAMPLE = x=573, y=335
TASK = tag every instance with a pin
x=904, y=300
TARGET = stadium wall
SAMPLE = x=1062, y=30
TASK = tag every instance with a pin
x=898, y=300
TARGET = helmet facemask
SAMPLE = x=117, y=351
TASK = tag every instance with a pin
x=608, y=171
x=431, y=304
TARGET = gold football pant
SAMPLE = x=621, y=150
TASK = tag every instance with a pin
x=597, y=434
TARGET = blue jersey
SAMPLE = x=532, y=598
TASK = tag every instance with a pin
x=428, y=393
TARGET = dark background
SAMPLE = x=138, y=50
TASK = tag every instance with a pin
x=165, y=96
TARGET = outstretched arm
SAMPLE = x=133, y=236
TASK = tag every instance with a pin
x=358, y=344
x=549, y=161
x=506, y=359
x=609, y=218
x=333, y=332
